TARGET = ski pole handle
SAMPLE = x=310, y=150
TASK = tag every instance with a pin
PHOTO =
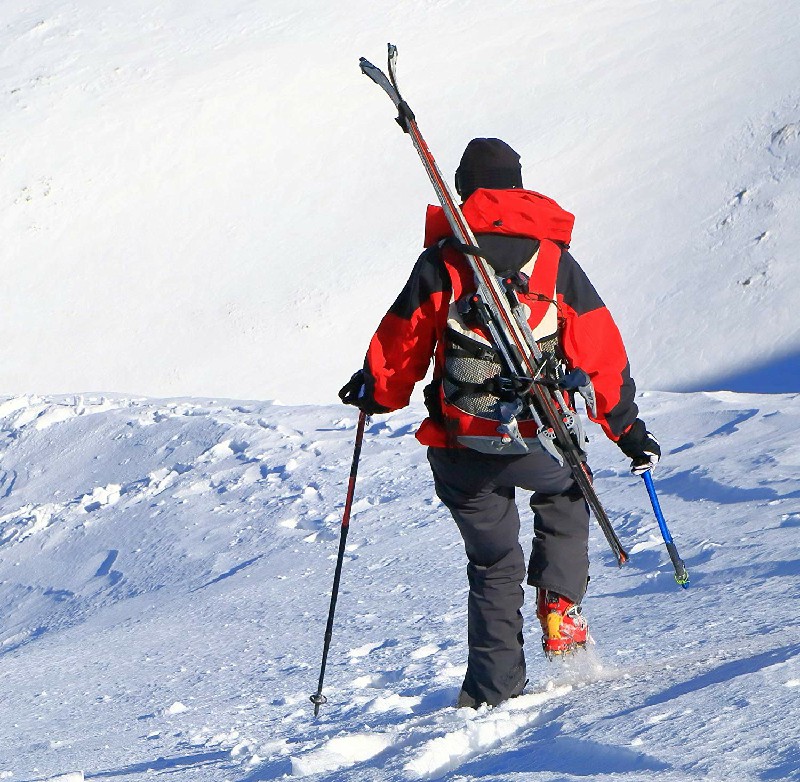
x=681, y=574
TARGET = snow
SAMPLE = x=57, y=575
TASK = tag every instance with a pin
x=208, y=208
x=481, y=732
x=179, y=629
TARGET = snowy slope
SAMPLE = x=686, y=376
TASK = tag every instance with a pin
x=165, y=569
x=210, y=200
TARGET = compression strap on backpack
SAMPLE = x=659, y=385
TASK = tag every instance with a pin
x=498, y=386
x=471, y=347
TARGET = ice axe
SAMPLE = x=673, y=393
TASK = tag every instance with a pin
x=681, y=574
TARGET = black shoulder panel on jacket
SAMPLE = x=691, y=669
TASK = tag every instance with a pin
x=428, y=276
x=626, y=410
x=575, y=287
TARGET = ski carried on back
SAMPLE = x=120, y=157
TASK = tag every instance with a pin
x=496, y=307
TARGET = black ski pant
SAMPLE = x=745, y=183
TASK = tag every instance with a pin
x=478, y=489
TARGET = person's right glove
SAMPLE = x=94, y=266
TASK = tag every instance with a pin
x=355, y=392
x=640, y=447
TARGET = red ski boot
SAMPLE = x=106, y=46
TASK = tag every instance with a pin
x=563, y=627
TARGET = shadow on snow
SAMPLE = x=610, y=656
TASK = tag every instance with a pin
x=777, y=375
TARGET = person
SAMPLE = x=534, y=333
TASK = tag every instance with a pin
x=525, y=236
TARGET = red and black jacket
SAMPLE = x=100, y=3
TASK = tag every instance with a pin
x=518, y=230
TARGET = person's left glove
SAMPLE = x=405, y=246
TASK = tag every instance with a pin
x=640, y=447
x=355, y=393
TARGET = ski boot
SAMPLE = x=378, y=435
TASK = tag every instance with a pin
x=563, y=627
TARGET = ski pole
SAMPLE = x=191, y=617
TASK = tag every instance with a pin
x=681, y=574
x=318, y=698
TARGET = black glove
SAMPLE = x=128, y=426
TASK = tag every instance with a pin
x=641, y=447
x=355, y=393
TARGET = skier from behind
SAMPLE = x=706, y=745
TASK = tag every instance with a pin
x=524, y=236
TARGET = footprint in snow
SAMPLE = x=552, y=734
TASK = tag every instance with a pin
x=439, y=742
x=469, y=733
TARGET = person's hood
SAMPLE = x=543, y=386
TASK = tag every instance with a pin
x=513, y=212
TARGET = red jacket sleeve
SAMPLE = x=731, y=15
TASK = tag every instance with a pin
x=401, y=349
x=591, y=340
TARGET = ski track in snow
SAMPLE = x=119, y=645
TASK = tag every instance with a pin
x=165, y=568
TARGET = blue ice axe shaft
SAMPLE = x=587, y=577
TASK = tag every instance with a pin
x=681, y=574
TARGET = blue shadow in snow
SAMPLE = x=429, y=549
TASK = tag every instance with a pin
x=232, y=572
x=546, y=748
x=786, y=768
x=37, y=633
x=756, y=574
x=105, y=567
x=563, y=755
x=694, y=485
x=733, y=426
x=718, y=675
x=272, y=769
x=779, y=375
x=162, y=764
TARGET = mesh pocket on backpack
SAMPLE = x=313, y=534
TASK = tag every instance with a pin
x=462, y=372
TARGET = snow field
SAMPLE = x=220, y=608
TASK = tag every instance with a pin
x=165, y=569
x=165, y=564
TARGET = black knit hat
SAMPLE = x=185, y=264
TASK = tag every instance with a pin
x=487, y=162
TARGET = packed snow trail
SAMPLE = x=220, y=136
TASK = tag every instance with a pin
x=165, y=568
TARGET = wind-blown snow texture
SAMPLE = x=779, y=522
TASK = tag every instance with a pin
x=207, y=199
x=164, y=578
